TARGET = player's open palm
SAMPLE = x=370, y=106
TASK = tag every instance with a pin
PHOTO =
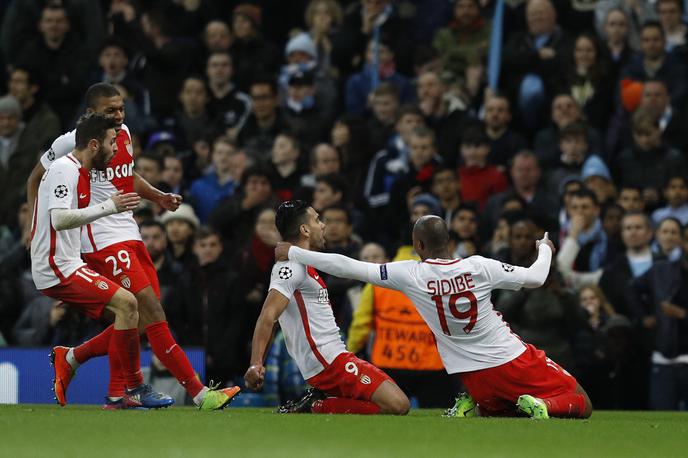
x=125, y=202
x=282, y=251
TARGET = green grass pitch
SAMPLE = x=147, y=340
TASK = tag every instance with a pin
x=75, y=431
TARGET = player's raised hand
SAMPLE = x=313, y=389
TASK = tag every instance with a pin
x=125, y=202
x=255, y=376
x=282, y=251
x=546, y=241
x=170, y=201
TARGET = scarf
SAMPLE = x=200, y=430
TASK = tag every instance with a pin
x=598, y=238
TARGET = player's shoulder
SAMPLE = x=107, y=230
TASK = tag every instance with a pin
x=288, y=270
x=126, y=130
x=61, y=146
x=64, y=164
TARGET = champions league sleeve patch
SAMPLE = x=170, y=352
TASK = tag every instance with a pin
x=51, y=155
x=383, y=272
x=507, y=267
x=285, y=273
x=61, y=191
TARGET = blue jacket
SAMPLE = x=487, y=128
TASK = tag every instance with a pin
x=359, y=86
x=206, y=193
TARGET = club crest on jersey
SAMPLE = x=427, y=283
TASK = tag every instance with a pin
x=126, y=282
x=507, y=267
x=61, y=191
x=365, y=380
x=102, y=285
x=285, y=273
x=119, y=171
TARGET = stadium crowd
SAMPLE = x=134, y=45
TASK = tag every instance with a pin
x=379, y=112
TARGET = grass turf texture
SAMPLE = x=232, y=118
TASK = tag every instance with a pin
x=40, y=430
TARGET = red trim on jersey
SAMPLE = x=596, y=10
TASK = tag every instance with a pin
x=35, y=218
x=315, y=276
x=443, y=263
x=51, y=258
x=69, y=156
x=307, y=328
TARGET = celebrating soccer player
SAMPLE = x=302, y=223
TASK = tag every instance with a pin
x=60, y=211
x=299, y=300
x=113, y=247
x=503, y=375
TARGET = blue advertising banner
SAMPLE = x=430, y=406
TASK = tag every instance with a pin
x=26, y=376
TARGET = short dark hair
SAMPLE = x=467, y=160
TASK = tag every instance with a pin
x=114, y=41
x=152, y=223
x=266, y=80
x=585, y=193
x=204, y=232
x=643, y=215
x=289, y=217
x=153, y=157
x=98, y=91
x=652, y=24
x=408, y=110
x=475, y=136
x=92, y=126
x=32, y=75
x=637, y=189
x=443, y=169
x=338, y=207
x=334, y=181
x=255, y=171
x=222, y=53
x=678, y=3
x=672, y=177
x=575, y=129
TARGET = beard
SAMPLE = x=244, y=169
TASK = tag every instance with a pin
x=100, y=159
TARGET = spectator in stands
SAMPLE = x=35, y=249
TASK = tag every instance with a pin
x=505, y=141
x=235, y=216
x=565, y=110
x=360, y=85
x=587, y=79
x=574, y=149
x=173, y=174
x=207, y=311
x=226, y=102
x=443, y=113
x=649, y=161
x=464, y=225
x=468, y=34
x=323, y=19
x=597, y=178
x=527, y=187
x=636, y=233
x=154, y=237
x=207, y=192
x=616, y=38
x=149, y=166
x=532, y=60
x=193, y=121
x=252, y=53
x=660, y=296
x=585, y=248
x=324, y=160
x=669, y=13
x=329, y=190
x=180, y=227
x=631, y=199
x=654, y=62
x=217, y=37
x=285, y=165
x=667, y=244
x=676, y=195
x=18, y=152
x=41, y=124
x=479, y=179
x=351, y=137
x=447, y=188
x=306, y=113
x=265, y=122
x=59, y=59
x=384, y=104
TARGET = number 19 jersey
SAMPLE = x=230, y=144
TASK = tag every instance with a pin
x=454, y=299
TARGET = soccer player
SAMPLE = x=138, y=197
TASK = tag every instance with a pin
x=299, y=300
x=503, y=375
x=113, y=247
x=60, y=211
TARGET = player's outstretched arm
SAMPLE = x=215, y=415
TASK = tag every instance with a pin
x=338, y=265
x=274, y=305
x=537, y=273
x=63, y=218
x=166, y=200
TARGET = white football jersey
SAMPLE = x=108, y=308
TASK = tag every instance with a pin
x=55, y=255
x=119, y=175
x=310, y=331
x=454, y=299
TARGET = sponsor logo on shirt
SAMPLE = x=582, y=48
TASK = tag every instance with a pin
x=383, y=272
x=109, y=174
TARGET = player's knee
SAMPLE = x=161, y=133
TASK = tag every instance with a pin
x=588, y=409
x=149, y=306
x=125, y=303
x=398, y=404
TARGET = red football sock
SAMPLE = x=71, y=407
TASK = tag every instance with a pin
x=124, y=345
x=345, y=405
x=116, y=386
x=173, y=357
x=569, y=405
x=97, y=346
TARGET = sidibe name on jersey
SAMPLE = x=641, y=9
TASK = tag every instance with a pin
x=454, y=285
x=119, y=171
